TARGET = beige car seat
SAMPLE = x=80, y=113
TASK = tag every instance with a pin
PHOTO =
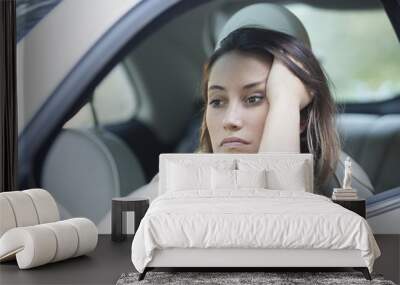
x=85, y=169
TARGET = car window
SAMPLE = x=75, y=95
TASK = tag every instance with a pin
x=31, y=12
x=114, y=101
x=357, y=48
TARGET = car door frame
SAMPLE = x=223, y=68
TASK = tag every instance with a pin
x=76, y=88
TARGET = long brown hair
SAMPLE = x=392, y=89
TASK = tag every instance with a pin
x=320, y=136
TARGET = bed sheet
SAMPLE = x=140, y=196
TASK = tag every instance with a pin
x=250, y=218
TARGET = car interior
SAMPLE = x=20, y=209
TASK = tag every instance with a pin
x=150, y=103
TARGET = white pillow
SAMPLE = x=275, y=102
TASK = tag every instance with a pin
x=227, y=179
x=223, y=179
x=293, y=178
x=183, y=177
x=251, y=178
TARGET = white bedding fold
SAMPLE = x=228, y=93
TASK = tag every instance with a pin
x=251, y=218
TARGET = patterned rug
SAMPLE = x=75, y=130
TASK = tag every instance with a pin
x=229, y=278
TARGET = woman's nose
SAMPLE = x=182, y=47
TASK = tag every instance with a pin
x=232, y=119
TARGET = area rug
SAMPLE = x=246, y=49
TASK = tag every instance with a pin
x=229, y=278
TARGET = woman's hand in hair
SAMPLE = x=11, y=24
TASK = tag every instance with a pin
x=286, y=95
x=283, y=87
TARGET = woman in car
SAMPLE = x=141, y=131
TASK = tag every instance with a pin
x=255, y=103
x=265, y=91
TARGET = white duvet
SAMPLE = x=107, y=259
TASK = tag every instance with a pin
x=251, y=218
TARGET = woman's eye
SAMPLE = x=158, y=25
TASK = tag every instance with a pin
x=254, y=99
x=216, y=103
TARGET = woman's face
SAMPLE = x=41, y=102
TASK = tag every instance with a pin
x=237, y=105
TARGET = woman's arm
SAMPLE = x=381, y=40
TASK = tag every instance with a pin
x=286, y=95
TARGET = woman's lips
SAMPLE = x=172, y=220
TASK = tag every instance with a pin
x=233, y=142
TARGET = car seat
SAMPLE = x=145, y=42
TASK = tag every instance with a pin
x=85, y=168
x=374, y=141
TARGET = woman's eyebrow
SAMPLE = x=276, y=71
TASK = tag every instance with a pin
x=247, y=86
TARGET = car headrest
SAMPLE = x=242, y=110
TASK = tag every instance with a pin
x=265, y=16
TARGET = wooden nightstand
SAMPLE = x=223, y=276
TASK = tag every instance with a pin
x=357, y=206
x=121, y=205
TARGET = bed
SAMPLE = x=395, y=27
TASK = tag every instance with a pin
x=245, y=211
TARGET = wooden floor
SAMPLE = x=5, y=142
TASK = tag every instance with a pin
x=102, y=266
x=111, y=259
x=389, y=262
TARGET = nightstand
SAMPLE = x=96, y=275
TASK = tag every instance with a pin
x=120, y=205
x=357, y=206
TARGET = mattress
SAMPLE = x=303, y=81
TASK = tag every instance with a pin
x=250, y=219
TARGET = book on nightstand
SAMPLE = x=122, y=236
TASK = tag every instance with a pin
x=344, y=194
